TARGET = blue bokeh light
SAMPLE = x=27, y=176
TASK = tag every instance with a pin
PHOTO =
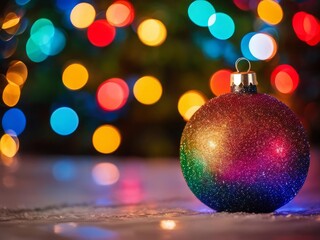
x=64, y=170
x=14, y=120
x=22, y=2
x=222, y=27
x=45, y=40
x=245, y=46
x=200, y=11
x=64, y=121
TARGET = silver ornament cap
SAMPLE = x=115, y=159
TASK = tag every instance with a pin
x=243, y=81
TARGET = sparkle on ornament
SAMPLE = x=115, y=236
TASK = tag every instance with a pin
x=244, y=152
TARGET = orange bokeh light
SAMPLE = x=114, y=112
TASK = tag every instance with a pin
x=112, y=94
x=220, y=82
x=120, y=14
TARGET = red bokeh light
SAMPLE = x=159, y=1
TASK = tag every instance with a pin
x=100, y=33
x=285, y=79
x=112, y=94
x=306, y=27
x=120, y=13
x=220, y=82
x=246, y=5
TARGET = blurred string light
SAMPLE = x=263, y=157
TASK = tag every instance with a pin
x=64, y=170
x=64, y=121
x=82, y=15
x=147, y=90
x=262, y=46
x=9, y=145
x=246, y=5
x=203, y=14
x=112, y=94
x=22, y=2
x=11, y=95
x=66, y=6
x=258, y=46
x=14, y=121
x=100, y=33
x=270, y=12
x=45, y=40
x=199, y=12
x=306, y=27
x=106, y=139
x=168, y=224
x=120, y=13
x=221, y=26
x=285, y=79
x=105, y=174
x=17, y=73
x=152, y=32
x=10, y=20
x=220, y=82
x=75, y=76
x=190, y=102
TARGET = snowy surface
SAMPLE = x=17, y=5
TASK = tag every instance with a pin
x=149, y=201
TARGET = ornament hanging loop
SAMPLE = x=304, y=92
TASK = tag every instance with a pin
x=243, y=82
x=242, y=59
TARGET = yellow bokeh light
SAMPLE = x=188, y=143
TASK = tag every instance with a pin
x=270, y=12
x=17, y=73
x=11, y=95
x=168, y=224
x=82, y=15
x=9, y=145
x=10, y=20
x=75, y=76
x=152, y=32
x=105, y=173
x=106, y=139
x=189, y=103
x=147, y=90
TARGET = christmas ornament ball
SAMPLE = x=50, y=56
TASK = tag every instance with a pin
x=244, y=152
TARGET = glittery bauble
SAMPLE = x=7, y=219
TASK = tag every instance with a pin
x=244, y=152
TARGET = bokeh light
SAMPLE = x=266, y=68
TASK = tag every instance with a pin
x=105, y=173
x=270, y=12
x=306, y=27
x=112, y=94
x=152, y=32
x=220, y=82
x=45, y=40
x=106, y=139
x=82, y=15
x=168, y=224
x=75, y=76
x=262, y=46
x=14, y=121
x=147, y=90
x=17, y=73
x=221, y=26
x=190, y=102
x=120, y=13
x=285, y=79
x=10, y=20
x=11, y=95
x=64, y=170
x=245, y=46
x=22, y=2
x=100, y=33
x=64, y=121
x=199, y=12
x=9, y=145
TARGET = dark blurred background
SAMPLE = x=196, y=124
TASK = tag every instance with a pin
x=187, y=59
